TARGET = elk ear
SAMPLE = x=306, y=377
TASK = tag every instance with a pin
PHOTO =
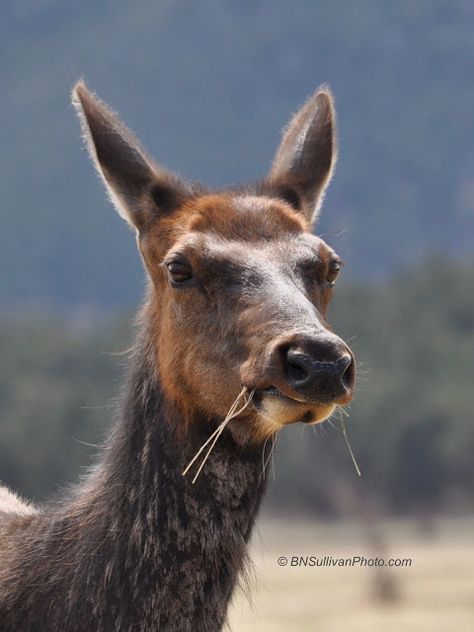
x=136, y=186
x=305, y=160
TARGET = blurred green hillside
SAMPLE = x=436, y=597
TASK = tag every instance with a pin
x=208, y=86
x=411, y=424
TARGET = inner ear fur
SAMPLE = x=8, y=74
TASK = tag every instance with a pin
x=137, y=187
x=305, y=160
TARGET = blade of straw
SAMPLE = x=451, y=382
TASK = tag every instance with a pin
x=209, y=439
x=220, y=431
x=344, y=432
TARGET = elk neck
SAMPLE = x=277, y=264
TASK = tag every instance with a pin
x=137, y=546
x=182, y=544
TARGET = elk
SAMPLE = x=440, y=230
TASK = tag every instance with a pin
x=235, y=320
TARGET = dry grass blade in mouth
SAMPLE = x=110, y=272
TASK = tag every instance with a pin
x=346, y=438
x=233, y=412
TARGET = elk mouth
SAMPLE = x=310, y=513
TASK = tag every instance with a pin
x=275, y=392
x=307, y=412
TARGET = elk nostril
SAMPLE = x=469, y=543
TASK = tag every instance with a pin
x=348, y=371
x=296, y=368
x=295, y=372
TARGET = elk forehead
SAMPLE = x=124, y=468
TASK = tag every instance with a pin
x=245, y=218
x=222, y=219
x=221, y=227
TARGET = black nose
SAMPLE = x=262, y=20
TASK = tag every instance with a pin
x=324, y=373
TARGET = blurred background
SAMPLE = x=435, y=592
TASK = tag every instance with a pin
x=208, y=86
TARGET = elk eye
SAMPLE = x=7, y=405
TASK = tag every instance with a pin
x=179, y=271
x=333, y=272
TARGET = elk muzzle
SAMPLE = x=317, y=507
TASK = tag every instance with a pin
x=318, y=369
x=324, y=381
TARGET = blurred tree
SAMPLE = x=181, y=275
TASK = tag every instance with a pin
x=207, y=86
x=411, y=424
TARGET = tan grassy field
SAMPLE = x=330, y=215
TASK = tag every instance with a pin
x=436, y=593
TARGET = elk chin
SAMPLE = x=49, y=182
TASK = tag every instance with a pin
x=269, y=411
x=278, y=412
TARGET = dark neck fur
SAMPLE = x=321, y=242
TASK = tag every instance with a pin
x=138, y=547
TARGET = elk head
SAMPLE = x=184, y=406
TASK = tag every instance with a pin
x=239, y=284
